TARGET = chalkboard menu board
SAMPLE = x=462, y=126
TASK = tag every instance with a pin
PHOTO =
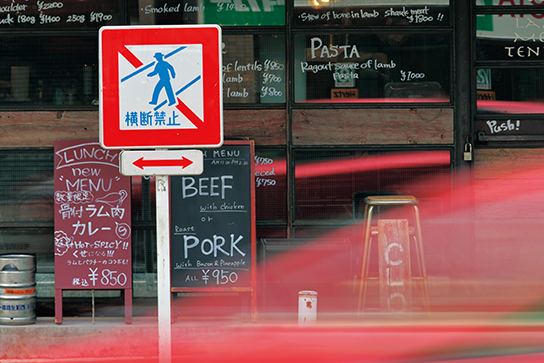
x=256, y=76
x=239, y=12
x=349, y=13
x=62, y=13
x=213, y=222
x=92, y=218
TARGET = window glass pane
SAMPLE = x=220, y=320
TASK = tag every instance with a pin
x=253, y=69
x=272, y=232
x=506, y=2
x=26, y=198
x=381, y=67
x=143, y=199
x=26, y=186
x=144, y=249
x=59, y=14
x=270, y=185
x=143, y=207
x=510, y=90
x=227, y=12
x=36, y=241
x=38, y=70
x=332, y=185
x=371, y=13
x=517, y=37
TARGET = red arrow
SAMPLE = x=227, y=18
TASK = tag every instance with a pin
x=141, y=163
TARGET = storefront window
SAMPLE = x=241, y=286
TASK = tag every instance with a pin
x=26, y=205
x=253, y=69
x=371, y=13
x=506, y=2
x=510, y=37
x=376, y=67
x=36, y=241
x=332, y=185
x=222, y=12
x=271, y=233
x=518, y=39
x=510, y=90
x=26, y=186
x=33, y=14
x=43, y=71
x=271, y=185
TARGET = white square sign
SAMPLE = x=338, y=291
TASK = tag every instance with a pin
x=150, y=96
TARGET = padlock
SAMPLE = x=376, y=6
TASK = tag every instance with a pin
x=467, y=155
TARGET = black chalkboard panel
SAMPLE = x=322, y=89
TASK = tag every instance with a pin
x=212, y=222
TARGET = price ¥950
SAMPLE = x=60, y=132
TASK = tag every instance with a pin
x=221, y=277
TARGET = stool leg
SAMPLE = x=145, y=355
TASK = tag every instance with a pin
x=420, y=286
x=421, y=258
x=366, y=257
x=365, y=286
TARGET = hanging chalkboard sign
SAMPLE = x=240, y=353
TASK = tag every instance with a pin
x=213, y=222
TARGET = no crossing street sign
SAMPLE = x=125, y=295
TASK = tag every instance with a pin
x=160, y=87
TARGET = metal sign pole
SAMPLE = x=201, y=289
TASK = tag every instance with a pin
x=163, y=267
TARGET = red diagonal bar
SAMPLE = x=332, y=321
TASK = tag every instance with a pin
x=183, y=162
x=131, y=58
x=184, y=109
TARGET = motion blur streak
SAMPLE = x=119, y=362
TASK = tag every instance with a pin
x=510, y=107
x=210, y=342
x=381, y=162
x=483, y=242
x=364, y=164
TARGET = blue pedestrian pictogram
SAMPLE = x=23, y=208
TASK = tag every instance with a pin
x=164, y=70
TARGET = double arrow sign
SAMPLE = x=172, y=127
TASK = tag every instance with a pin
x=168, y=162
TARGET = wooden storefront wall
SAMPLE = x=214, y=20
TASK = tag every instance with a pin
x=267, y=127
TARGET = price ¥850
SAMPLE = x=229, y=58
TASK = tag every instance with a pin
x=107, y=277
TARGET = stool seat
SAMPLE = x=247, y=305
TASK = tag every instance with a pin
x=391, y=200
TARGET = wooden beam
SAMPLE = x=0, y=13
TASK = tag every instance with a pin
x=373, y=126
x=266, y=127
x=42, y=128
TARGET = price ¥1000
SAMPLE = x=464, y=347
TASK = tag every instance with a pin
x=409, y=75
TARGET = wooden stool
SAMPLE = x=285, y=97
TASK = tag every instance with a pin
x=391, y=200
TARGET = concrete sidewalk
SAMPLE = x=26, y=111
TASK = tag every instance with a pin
x=47, y=340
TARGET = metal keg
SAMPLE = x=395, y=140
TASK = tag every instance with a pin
x=17, y=289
